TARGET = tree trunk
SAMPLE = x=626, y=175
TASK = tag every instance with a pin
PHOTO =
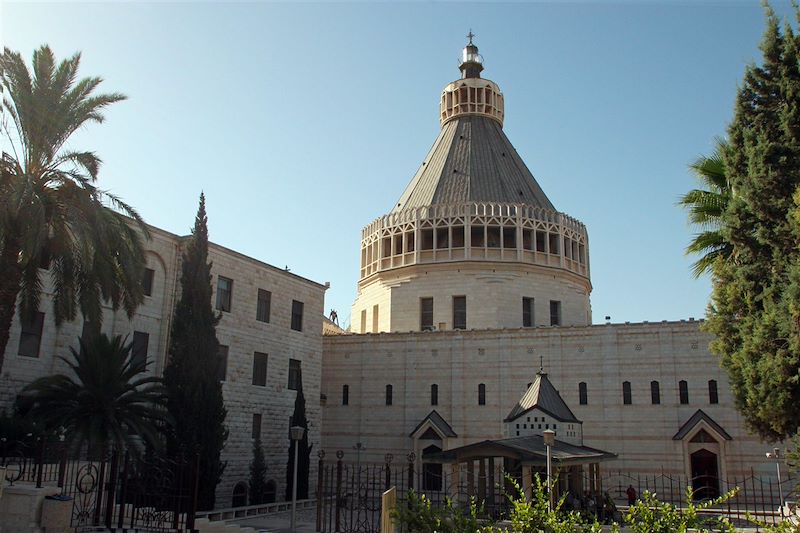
x=10, y=277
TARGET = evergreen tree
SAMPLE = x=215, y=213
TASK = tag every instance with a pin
x=258, y=474
x=755, y=305
x=304, y=450
x=191, y=374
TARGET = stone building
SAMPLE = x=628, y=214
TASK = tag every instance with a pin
x=469, y=282
x=269, y=333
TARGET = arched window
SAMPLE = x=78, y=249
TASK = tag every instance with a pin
x=626, y=393
x=271, y=491
x=683, y=392
x=481, y=394
x=388, y=395
x=713, y=395
x=345, y=394
x=434, y=394
x=655, y=393
x=239, y=495
x=583, y=396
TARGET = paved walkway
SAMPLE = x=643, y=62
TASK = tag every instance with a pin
x=281, y=522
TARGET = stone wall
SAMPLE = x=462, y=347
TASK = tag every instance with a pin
x=238, y=329
x=602, y=356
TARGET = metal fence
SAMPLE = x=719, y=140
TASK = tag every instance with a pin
x=349, y=493
x=111, y=489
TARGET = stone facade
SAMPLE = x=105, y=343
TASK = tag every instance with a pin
x=238, y=329
x=506, y=361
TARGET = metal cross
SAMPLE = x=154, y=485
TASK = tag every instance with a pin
x=470, y=35
x=541, y=364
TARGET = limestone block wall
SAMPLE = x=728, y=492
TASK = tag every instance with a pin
x=602, y=356
x=245, y=335
x=494, y=293
x=238, y=329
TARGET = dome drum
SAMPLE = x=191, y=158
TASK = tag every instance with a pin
x=475, y=232
x=471, y=96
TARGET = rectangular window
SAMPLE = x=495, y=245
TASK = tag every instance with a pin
x=224, y=293
x=389, y=398
x=30, y=338
x=139, y=348
x=256, y=433
x=294, y=374
x=459, y=312
x=683, y=392
x=555, y=313
x=426, y=314
x=713, y=395
x=509, y=237
x=493, y=236
x=655, y=393
x=458, y=236
x=427, y=239
x=553, y=237
x=260, y=369
x=626, y=393
x=345, y=394
x=434, y=394
x=374, y=319
x=442, y=240
x=263, y=306
x=476, y=236
x=363, y=321
x=222, y=362
x=540, y=241
x=583, y=395
x=527, y=239
x=297, y=315
x=527, y=312
x=147, y=281
x=481, y=394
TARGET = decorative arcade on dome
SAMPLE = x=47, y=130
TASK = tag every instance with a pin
x=473, y=242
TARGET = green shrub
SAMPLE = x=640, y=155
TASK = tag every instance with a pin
x=649, y=515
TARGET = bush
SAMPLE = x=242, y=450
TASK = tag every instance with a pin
x=649, y=515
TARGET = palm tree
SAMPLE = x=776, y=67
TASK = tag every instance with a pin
x=706, y=207
x=51, y=213
x=109, y=400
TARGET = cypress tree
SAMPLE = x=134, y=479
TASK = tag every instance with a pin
x=258, y=474
x=304, y=450
x=755, y=305
x=191, y=374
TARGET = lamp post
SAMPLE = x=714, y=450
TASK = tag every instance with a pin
x=296, y=432
x=775, y=454
x=549, y=437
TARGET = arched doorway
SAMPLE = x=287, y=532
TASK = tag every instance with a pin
x=239, y=495
x=705, y=474
x=432, y=472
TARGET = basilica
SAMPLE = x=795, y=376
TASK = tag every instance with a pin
x=471, y=324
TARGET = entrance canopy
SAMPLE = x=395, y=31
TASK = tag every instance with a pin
x=529, y=450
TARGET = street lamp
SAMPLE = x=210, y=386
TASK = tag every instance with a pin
x=296, y=432
x=549, y=437
x=775, y=454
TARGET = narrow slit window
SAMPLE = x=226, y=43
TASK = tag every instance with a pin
x=626, y=393
x=655, y=393
x=583, y=396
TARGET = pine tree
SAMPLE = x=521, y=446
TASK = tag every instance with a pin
x=258, y=475
x=304, y=450
x=191, y=374
x=755, y=306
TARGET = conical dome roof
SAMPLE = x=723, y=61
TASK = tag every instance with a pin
x=472, y=160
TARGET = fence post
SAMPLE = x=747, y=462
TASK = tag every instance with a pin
x=62, y=463
x=122, y=492
x=388, y=505
x=40, y=463
x=112, y=485
x=388, y=471
x=339, y=455
x=411, y=458
x=100, y=486
x=320, y=495
x=194, y=487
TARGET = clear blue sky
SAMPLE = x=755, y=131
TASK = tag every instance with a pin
x=304, y=122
